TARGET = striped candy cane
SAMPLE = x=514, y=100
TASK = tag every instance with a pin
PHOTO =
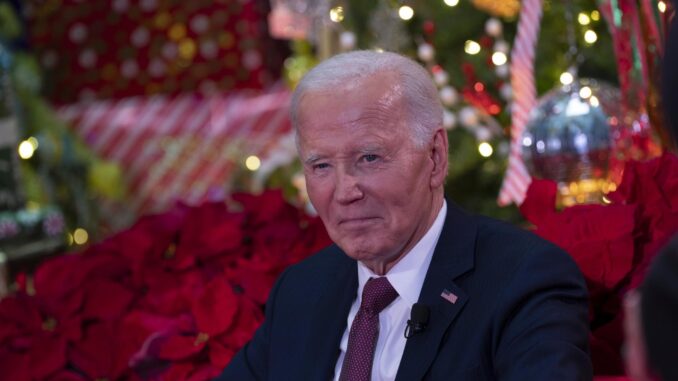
x=517, y=179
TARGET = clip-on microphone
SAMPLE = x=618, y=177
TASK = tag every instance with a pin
x=418, y=320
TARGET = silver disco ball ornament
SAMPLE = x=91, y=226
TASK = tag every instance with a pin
x=571, y=137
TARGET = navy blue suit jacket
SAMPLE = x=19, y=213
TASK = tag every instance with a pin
x=521, y=313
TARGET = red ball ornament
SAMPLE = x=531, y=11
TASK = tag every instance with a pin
x=429, y=27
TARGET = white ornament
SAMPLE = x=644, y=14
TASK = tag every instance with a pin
x=506, y=91
x=77, y=33
x=49, y=59
x=156, y=68
x=426, y=52
x=120, y=6
x=200, y=24
x=449, y=120
x=449, y=96
x=209, y=49
x=493, y=27
x=170, y=51
x=483, y=134
x=140, y=37
x=347, y=41
x=502, y=46
x=468, y=117
x=441, y=78
x=88, y=58
x=251, y=59
x=129, y=69
x=502, y=71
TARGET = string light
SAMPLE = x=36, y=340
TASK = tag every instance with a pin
x=406, y=12
x=662, y=6
x=471, y=47
x=583, y=18
x=337, y=14
x=590, y=36
x=26, y=150
x=80, y=236
x=252, y=163
x=585, y=92
x=595, y=15
x=566, y=78
x=451, y=3
x=499, y=58
x=485, y=149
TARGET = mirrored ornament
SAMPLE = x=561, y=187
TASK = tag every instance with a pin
x=571, y=138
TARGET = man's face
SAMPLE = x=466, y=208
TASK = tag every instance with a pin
x=369, y=182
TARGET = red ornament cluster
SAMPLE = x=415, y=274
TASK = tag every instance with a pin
x=173, y=297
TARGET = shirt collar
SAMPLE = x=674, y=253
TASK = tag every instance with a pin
x=407, y=276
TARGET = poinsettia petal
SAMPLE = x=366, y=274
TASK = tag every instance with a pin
x=47, y=356
x=215, y=308
x=180, y=347
x=106, y=300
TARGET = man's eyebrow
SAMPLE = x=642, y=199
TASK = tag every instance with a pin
x=312, y=159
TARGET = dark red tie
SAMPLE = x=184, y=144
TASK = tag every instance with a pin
x=377, y=295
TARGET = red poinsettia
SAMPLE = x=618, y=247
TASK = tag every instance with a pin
x=612, y=244
x=173, y=297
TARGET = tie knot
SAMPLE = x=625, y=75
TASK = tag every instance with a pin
x=377, y=294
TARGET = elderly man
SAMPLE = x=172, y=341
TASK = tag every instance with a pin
x=493, y=302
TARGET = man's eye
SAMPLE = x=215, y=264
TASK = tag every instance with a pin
x=370, y=158
x=320, y=166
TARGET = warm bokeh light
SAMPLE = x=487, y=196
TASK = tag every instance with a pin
x=451, y=3
x=594, y=101
x=80, y=236
x=595, y=15
x=566, y=78
x=662, y=6
x=499, y=58
x=471, y=47
x=252, y=163
x=485, y=149
x=26, y=150
x=585, y=92
x=583, y=18
x=337, y=14
x=590, y=36
x=406, y=12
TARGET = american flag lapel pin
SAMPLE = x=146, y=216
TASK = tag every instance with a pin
x=449, y=296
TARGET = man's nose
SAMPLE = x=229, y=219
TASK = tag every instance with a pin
x=348, y=188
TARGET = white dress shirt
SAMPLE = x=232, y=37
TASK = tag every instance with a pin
x=407, y=277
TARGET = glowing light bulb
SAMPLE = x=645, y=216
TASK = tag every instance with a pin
x=26, y=150
x=499, y=58
x=595, y=15
x=252, y=163
x=585, y=92
x=80, y=236
x=662, y=6
x=451, y=3
x=337, y=14
x=590, y=36
x=594, y=101
x=583, y=18
x=471, y=47
x=485, y=149
x=566, y=78
x=406, y=12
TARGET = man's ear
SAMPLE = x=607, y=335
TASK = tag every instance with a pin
x=438, y=152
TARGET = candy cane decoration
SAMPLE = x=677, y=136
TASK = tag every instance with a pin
x=517, y=179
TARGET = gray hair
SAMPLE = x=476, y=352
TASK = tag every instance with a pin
x=423, y=108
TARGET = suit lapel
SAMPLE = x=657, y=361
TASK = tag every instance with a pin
x=453, y=256
x=329, y=317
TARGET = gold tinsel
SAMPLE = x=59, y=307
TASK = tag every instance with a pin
x=504, y=8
